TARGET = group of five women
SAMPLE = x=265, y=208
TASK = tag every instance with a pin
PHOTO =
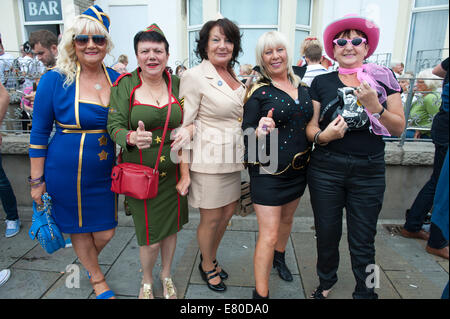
x=94, y=109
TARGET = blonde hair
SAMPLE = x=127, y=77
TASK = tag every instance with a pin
x=123, y=58
x=427, y=76
x=246, y=68
x=66, y=61
x=273, y=39
x=307, y=42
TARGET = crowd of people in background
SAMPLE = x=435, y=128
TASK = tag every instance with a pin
x=304, y=106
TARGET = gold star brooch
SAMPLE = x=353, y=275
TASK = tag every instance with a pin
x=103, y=140
x=103, y=155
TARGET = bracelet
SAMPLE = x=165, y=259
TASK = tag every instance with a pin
x=36, y=185
x=34, y=182
x=316, y=139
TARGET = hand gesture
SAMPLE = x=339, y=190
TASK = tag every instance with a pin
x=266, y=124
x=181, y=137
x=141, y=138
x=335, y=130
x=367, y=97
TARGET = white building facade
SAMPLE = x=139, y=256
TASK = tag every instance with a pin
x=408, y=27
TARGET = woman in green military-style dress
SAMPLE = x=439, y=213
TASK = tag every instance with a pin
x=139, y=106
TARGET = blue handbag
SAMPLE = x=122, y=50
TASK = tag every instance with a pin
x=44, y=228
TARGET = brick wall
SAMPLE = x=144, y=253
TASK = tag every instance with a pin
x=82, y=5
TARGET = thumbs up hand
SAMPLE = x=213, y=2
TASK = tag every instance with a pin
x=141, y=138
x=266, y=124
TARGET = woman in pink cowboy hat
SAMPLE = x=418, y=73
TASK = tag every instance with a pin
x=353, y=108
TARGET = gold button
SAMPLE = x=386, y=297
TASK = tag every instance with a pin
x=239, y=119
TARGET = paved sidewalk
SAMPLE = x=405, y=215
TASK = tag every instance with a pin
x=407, y=271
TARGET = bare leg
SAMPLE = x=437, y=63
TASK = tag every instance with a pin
x=168, y=246
x=210, y=219
x=84, y=247
x=228, y=212
x=148, y=255
x=269, y=224
x=101, y=238
x=287, y=218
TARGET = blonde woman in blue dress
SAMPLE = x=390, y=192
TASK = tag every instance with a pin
x=74, y=167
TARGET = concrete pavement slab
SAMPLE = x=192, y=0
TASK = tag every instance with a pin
x=235, y=254
x=13, y=248
x=28, y=284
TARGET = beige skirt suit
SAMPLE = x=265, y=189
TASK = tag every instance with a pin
x=216, y=150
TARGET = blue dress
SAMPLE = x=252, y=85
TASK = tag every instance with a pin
x=79, y=156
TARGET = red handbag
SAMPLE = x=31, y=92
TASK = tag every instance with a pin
x=137, y=180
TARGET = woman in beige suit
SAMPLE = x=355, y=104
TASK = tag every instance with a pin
x=213, y=109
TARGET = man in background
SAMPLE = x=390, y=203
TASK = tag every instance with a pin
x=45, y=47
x=6, y=192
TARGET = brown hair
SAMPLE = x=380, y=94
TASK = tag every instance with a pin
x=346, y=33
x=313, y=52
x=44, y=37
x=230, y=30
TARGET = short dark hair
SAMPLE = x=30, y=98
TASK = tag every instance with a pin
x=152, y=36
x=313, y=52
x=346, y=33
x=230, y=30
x=44, y=37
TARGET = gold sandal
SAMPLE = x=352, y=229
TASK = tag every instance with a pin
x=147, y=291
x=169, y=287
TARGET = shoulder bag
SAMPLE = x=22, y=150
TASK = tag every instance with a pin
x=137, y=180
x=44, y=228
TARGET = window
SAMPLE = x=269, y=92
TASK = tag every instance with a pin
x=302, y=25
x=425, y=40
x=41, y=15
x=195, y=22
x=252, y=25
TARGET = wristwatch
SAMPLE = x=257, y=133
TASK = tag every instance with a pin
x=378, y=115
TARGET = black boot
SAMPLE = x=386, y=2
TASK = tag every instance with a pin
x=280, y=265
x=257, y=296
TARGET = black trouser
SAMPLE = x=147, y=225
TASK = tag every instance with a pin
x=424, y=202
x=338, y=181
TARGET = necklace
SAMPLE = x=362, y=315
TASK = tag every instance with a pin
x=158, y=98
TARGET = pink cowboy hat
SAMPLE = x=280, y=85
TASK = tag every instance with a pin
x=351, y=22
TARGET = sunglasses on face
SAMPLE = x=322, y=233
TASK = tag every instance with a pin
x=83, y=39
x=355, y=42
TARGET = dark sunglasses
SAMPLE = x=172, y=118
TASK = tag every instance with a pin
x=355, y=42
x=83, y=39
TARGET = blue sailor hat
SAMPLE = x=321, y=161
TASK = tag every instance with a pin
x=96, y=13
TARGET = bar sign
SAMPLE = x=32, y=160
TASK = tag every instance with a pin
x=42, y=10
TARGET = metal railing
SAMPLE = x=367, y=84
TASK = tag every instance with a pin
x=415, y=98
x=18, y=74
x=19, y=122
x=429, y=58
x=380, y=59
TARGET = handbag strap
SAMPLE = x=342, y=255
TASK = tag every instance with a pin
x=166, y=124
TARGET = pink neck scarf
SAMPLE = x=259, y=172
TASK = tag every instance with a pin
x=372, y=74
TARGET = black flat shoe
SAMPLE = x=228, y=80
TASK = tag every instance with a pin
x=223, y=274
x=280, y=265
x=318, y=293
x=220, y=287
